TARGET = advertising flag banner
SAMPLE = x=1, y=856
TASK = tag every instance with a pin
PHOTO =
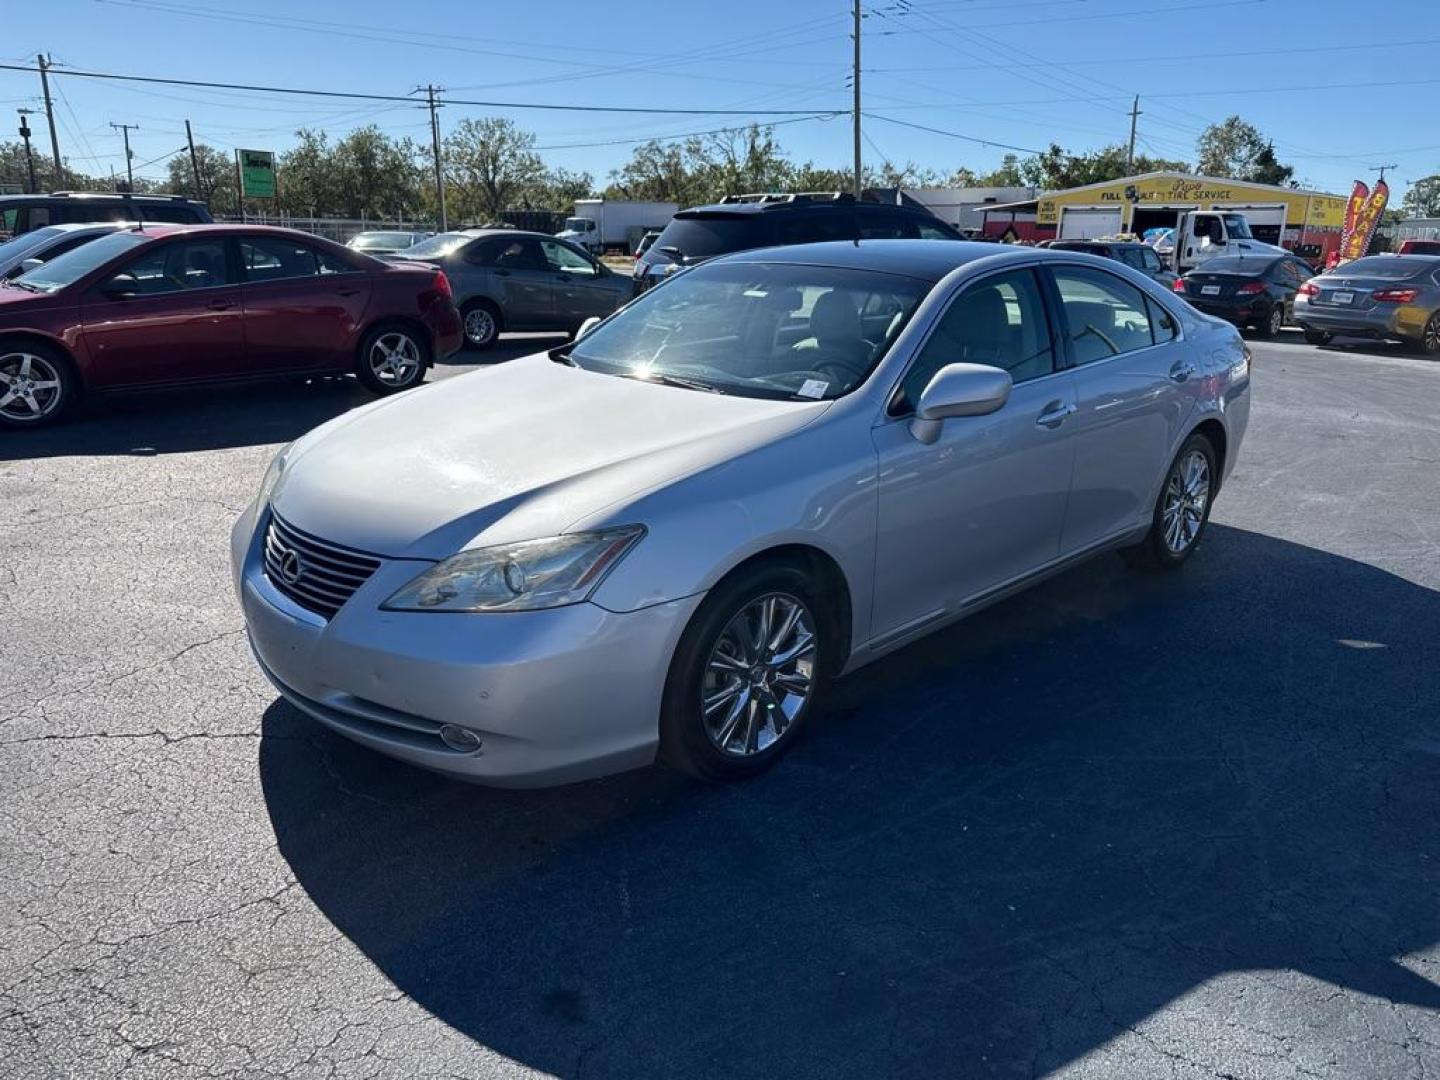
x=1362, y=215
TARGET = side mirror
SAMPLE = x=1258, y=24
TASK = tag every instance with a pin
x=586, y=326
x=959, y=390
x=114, y=291
x=27, y=265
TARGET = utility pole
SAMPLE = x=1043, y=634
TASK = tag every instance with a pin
x=124, y=129
x=50, y=116
x=194, y=163
x=1130, y=153
x=858, y=178
x=443, y=224
x=33, y=189
x=1382, y=170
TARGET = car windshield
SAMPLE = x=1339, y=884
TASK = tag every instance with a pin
x=1237, y=264
x=774, y=330
x=703, y=235
x=437, y=247
x=1237, y=226
x=382, y=240
x=1389, y=267
x=69, y=268
x=578, y=224
x=19, y=245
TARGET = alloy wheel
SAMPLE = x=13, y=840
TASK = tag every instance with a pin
x=1430, y=336
x=760, y=675
x=1187, y=495
x=30, y=388
x=1277, y=321
x=479, y=326
x=395, y=358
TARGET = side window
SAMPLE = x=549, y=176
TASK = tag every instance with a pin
x=997, y=320
x=9, y=219
x=192, y=264
x=933, y=232
x=875, y=224
x=567, y=260
x=1106, y=316
x=175, y=215
x=519, y=255
x=1149, y=260
x=1131, y=257
x=40, y=216
x=1161, y=321
x=813, y=228
x=266, y=258
x=334, y=264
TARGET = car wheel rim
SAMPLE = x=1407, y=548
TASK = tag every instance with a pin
x=1187, y=495
x=1432, y=335
x=760, y=675
x=395, y=358
x=479, y=326
x=30, y=387
x=1275, y=322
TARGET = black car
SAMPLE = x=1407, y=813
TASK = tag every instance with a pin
x=1248, y=290
x=742, y=222
x=22, y=213
x=1132, y=253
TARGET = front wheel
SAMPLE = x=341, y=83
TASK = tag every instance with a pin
x=1429, y=341
x=744, y=676
x=392, y=358
x=1182, y=509
x=1318, y=337
x=36, y=385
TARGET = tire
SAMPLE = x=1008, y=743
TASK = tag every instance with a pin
x=1270, y=326
x=393, y=357
x=1318, y=337
x=37, y=385
x=1429, y=341
x=758, y=708
x=482, y=322
x=1194, y=464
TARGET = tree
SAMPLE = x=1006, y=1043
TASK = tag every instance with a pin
x=488, y=163
x=1423, y=198
x=375, y=175
x=1236, y=149
x=217, y=178
x=558, y=189
x=1007, y=175
x=307, y=179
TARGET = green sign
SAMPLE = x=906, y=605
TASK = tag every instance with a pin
x=257, y=174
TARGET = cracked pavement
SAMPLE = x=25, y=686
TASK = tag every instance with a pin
x=1121, y=826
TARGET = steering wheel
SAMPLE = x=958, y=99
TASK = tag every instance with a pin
x=833, y=364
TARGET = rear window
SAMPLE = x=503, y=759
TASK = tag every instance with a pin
x=710, y=234
x=437, y=247
x=1236, y=264
x=1390, y=267
x=1421, y=247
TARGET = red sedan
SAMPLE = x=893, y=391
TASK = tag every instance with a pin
x=174, y=305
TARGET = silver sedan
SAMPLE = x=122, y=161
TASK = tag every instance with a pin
x=770, y=471
x=1379, y=296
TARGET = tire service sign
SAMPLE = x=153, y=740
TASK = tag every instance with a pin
x=257, y=174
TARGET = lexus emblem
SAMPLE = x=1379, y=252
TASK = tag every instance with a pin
x=290, y=566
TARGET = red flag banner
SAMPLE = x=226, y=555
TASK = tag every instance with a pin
x=1362, y=215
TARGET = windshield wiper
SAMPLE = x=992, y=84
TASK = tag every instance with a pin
x=27, y=286
x=677, y=380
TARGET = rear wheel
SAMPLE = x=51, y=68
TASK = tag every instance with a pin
x=482, y=324
x=37, y=385
x=1318, y=337
x=1270, y=325
x=393, y=357
x=1182, y=509
x=744, y=676
x=1429, y=341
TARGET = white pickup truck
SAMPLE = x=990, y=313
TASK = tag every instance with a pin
x=1202, y=235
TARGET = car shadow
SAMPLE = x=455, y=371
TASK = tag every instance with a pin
x=220, y=417
x=995, y=851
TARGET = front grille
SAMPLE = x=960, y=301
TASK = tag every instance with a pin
x=317, y=575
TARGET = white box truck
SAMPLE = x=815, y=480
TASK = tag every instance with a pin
x=605, y=225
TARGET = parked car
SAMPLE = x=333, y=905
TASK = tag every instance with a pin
x=31, y=249
x=1379, y=296
x=22, y=213
x=509, y=279
x=1248, y=290
x=172, y=305
x=386, y=242
x=646, y=242
x=1136, y=254
x=780, y=466
x=1419, y=247
x=742, y=222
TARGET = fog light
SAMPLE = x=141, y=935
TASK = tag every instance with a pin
x=460, y=739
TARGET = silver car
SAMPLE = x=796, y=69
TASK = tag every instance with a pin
x=769, y=471
x=506, y=279
x=1379, y=296
x=39, y=246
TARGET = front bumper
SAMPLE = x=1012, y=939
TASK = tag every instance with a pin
x=1390, y=320
x=554, y=696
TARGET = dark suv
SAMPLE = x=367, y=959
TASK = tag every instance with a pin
x=22, y=213
x=742, y=222
x=1132, y=253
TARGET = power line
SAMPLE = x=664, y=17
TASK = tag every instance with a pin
x=687, y=134
x=954, y=134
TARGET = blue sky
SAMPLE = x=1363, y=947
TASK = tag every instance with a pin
x=1022, y=72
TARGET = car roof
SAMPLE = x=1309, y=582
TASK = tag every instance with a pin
x=99, y=196
x=745, y=209
x=76, y=226
x=929, y=260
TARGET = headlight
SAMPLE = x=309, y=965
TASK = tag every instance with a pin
x=272, y=475
x=527, y=576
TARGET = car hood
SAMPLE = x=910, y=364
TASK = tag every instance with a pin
x=513, y=452
x=13, y=300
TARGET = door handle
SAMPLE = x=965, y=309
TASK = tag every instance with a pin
x=1054, y=415
x=348, y=290
x=220, y=305
x=1182, y=371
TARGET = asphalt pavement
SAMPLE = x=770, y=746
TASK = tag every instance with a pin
x=1121, y=826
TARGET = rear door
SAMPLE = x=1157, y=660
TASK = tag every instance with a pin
x=303, y=305
x=580, y=284
x=170, y=314
x=1133, y=378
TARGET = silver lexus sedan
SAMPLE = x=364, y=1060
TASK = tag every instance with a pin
x=769, y=471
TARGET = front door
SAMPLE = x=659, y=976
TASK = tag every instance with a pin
x=524, y=284
x=580, y=286
x=303, y=305
x=1133, y=380
x=985, y=503
x=171, y=314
